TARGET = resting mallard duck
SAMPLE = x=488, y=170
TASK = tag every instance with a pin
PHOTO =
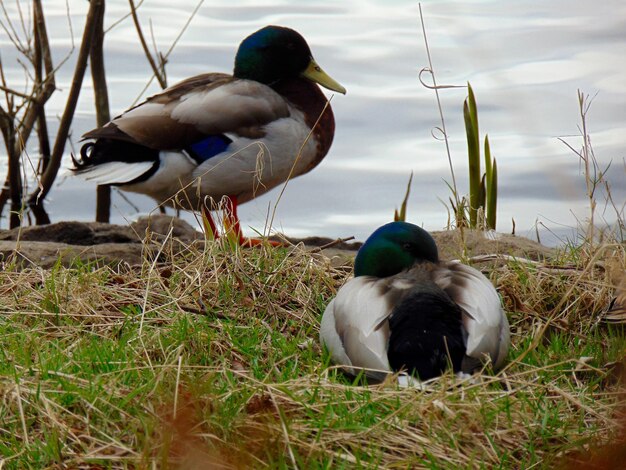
x=217, y=135
x=406, y=310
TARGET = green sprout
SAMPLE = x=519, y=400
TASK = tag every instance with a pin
x=483, y=190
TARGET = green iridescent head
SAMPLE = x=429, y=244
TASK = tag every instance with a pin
x=275, y=53
x=393, y=248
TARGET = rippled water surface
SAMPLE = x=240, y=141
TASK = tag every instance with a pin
x=525, y=60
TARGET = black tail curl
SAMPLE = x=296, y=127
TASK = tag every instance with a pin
x=103, y=151
x=110, y=150
x=85, y=157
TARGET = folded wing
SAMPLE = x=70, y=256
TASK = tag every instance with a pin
x=484, y=319
x=208, y=104
x=355, y=328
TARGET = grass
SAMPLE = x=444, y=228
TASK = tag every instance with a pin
x=210, y=358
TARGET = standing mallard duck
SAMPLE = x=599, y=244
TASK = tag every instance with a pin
x=406, y=310
x=217, y=135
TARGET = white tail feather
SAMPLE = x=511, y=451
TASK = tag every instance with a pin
x=114, y=172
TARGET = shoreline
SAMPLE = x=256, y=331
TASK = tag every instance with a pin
x=113, y=244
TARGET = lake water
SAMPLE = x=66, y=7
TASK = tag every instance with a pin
x=525, y=60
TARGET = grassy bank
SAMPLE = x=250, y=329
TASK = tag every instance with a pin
x=210, y=359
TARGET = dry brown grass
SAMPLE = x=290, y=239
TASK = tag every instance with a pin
x=209, y=358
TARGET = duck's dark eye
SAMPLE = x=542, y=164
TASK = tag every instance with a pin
x=407, y=246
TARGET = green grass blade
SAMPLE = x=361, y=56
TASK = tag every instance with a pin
x=473, y=153
x=491, y=186
x=401, y=216
x=482, y=192
x=472, y=107
x=487, y=159
x=492, y=197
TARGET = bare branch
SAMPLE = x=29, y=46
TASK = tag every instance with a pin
x=171, y=48
x=144, y=45
x=17, y=125
x=11, y=91
x=41, y=43
x=14, y=176
x=182, y=31
x=50, y=174
x=10, y=30
x=103, y=115
x=123, y=18
x=42, y=36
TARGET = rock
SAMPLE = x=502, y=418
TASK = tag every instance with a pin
x=109, y=244
x=118, y=244
x=454, y=244
x=159, y=226
x=47, y=254
x=74, y=233
x=451, y=245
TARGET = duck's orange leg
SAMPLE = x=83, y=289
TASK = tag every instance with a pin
x=233, y=226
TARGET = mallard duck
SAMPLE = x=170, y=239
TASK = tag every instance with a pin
x=405, y=310
x=216, y=135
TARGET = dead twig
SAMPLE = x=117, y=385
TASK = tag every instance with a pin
x=47, y=179
x=103, y=114
x=155, y=69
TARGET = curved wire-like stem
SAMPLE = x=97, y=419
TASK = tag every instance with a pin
x=436, y=87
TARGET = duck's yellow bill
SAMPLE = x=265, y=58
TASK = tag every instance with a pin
x=315, y=73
